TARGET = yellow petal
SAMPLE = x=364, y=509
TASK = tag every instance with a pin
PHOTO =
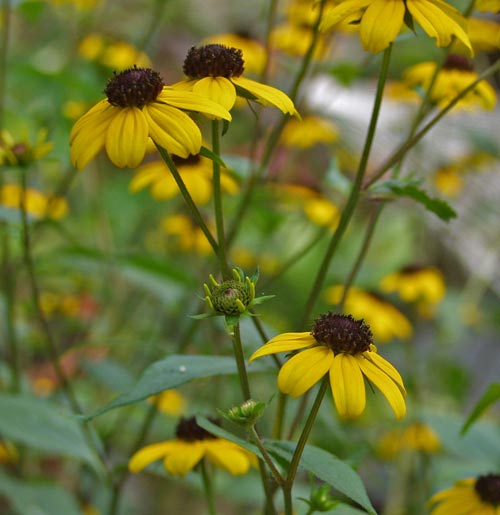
x=184, y=457
x=266, y=95
x=100, y=111
x=385, y=384
x=218, y=89
x=340, y=12
x=381, y=24
x=228, y=456
x=304, y=370
x=126, y=138
x=284, y=343
x=172, y=129
x=348, y=386
x=387, y=368
x=148, y=174
x=192, y=102
x=143, y=457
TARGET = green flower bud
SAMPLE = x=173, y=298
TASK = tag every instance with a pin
x=320, y=499
x=231, y=297
x=246, y=414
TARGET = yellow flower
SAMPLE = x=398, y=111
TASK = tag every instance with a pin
x=36, y=203
x=342, y=347
x=191, y=445
x=296, y=40
x=253, y=52
x=380, y=21
x=196, y=172
x=472, y=496
x=20, y=152
x=189, y=237
x=214, y=71
x=138, y=107
x=309, y=131
x=423, y=285
x=170, y=402
x=454, y=77
x=487, y=5
x=385, y=321
x=415, y=437
x=483, y=34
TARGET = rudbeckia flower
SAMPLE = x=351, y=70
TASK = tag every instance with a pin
x=385, y=321
x=138, y=107
x=484, y=36
x=309, y=131
x=20, y=151
x=170, y=402
x=380, y=21
x=196, y=172
x=456, y=75
x=417, y=437
x=188, y=236
x=472, y=496
x=215, y=72
x=191, y=445
x=341, y=347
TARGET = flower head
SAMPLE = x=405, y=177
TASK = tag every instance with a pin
x=342, y=347
x=170, y=402
x=215, y=72
x=417, y=437
x=191, y=445
x=186, y=235
x=231, y=297
x=138, y=107
x=472, y=496
x=309, y=131
x=21, y=152
x=380, y=21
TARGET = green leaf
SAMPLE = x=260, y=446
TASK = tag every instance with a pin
x=44, y=426
x=491, y=396
x=37, y=498
x=206, y=152
x=172, y=372
x=410, y=189
x=328, y=468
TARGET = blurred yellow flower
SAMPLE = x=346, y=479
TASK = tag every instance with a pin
x=248, y=260
x=487, y=5
x=483, y=34
x=253, y=52
x=424, y=286
x=341, y=347
x=472, y=496
x=196, y=172
x=188, y=236
x=385, y=321
x=8, y=453
x=37, y=204
x=381, y=21
x=309, y=131
x=417, y=437
x=170, y=402
x=454, y=77
x=20, y=151
x=296, y=40
x=448, y=181
x=215, y=72
x=73, y=109
x=139, y=107
x=80, y=4
x=191, y=445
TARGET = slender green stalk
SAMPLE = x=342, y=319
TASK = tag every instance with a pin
x=208, y=488
x=218, y=210
x=265, y=455
x=4, y=52
x=412, y=141
x=299, y=449
x=280, y=417
x=240, y=363
x=195, y=213
x=352, y=201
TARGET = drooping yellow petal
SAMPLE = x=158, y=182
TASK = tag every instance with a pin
x=147, y=174
x=218, y=89
x=127, y=137
x=184, y=458
x=340, y=12
x=285, y=342
x=387, y=368
x=92, y=117
x=375, y=35
x=348, y=386
x=227, y=455
x=173, y=130
x=304, y=370
x=182, y=99
x=143, y=457
x=385, y=384
x=266, y=95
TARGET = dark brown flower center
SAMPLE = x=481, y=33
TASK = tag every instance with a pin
x=213, y=61
x=458, y=62
x=190, y=160
x=342, y=333
x=134, y=87
x=188, y=430
x=488, y=488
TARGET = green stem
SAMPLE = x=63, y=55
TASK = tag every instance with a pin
x=4, y=51
x=218, y=210
x=240, y=362
x=265, y=455
x=280, y=417
x=208, y=488
x=195, y=213
x=352, y=201
x=412, y=141
x=299, y=449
